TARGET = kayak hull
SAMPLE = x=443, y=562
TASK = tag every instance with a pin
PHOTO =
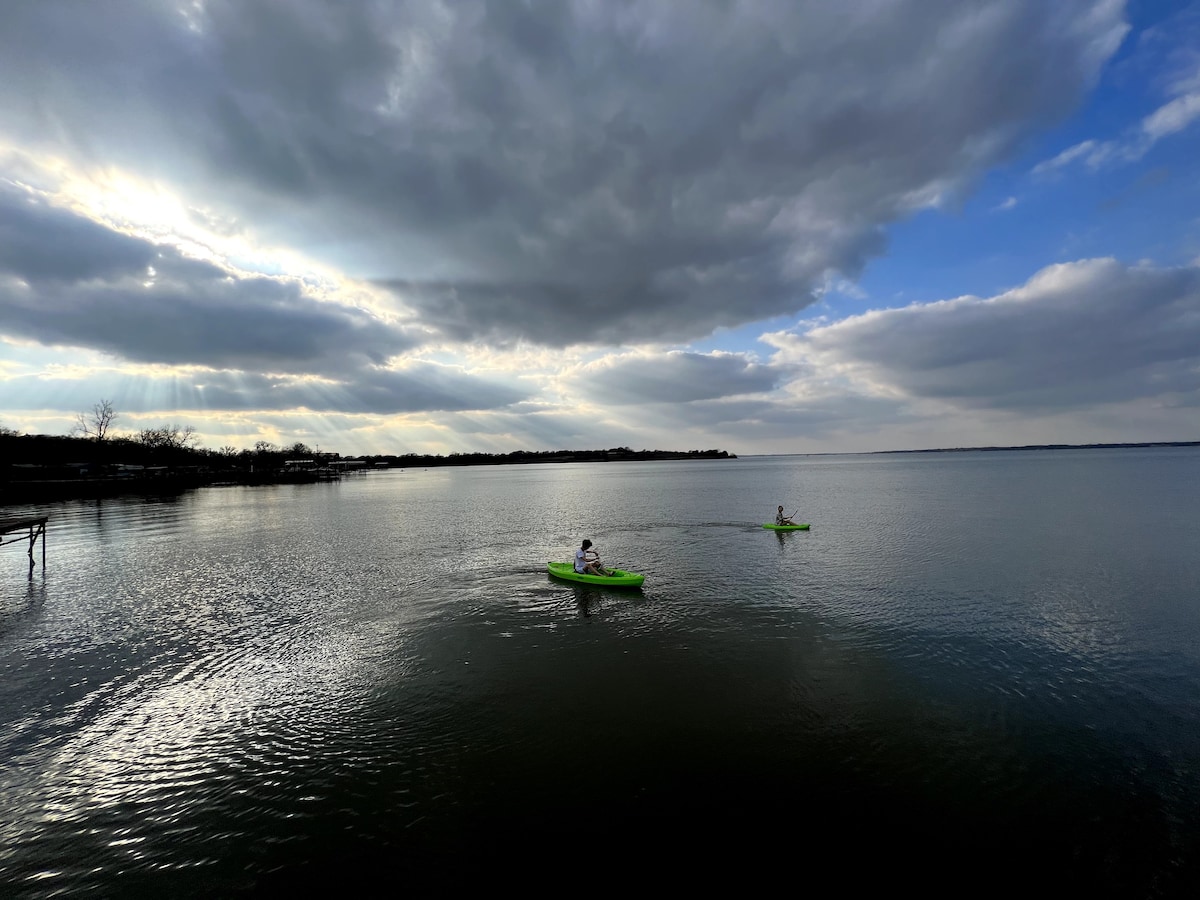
x=619, y=578
x=774, y=527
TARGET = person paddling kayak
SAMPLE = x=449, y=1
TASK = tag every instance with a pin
x=587, y=560
x=781, y=519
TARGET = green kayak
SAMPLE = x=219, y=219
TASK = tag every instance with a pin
x=619, y=578
x=774, y=527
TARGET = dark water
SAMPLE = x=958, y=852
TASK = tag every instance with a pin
x=977, y=671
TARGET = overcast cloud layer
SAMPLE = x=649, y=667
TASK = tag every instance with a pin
x=595, y=183
x=666, y=167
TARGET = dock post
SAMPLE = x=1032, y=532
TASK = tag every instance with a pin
x=37, y=529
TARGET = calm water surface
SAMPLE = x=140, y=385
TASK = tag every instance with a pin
x=977, y=670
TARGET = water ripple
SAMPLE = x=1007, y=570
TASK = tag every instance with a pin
x=242, y=686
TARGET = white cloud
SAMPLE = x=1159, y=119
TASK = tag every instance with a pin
x=1169, y=48
x=1172, y=117
x=1079, y=335
x=1092, y=153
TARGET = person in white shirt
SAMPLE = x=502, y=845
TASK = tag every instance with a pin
x=587, y=560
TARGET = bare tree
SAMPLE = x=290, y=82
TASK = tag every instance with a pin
x=95, y=424
x=174, y=437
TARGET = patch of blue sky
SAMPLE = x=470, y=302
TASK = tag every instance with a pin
x=1140, y=204
x=745, y=338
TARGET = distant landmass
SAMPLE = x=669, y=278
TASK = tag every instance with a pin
x=40, y=468
x=616, y=454
x=1050, y=447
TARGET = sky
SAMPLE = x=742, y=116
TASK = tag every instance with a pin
x=762, y=226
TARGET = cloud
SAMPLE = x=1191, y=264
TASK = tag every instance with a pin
x=674, y=377
x=1168, y=119
x=214, y=338
x=1090, y=151
x=419, y=387
x=65, y=280
x=555, y=172
x=1172, y=117
x=1076, y=335
x=43, y=245
x=1168, y=47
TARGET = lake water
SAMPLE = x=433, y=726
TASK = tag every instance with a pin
x=977, y=671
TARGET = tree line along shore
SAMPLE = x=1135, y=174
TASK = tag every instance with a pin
x=35, y=468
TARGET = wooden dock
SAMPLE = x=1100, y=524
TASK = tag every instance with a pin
x=34, y=528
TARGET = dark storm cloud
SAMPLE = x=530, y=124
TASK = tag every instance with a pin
x=510, y=169
x=565, y=313
x=40, y=244
x=73, y=282
x=675, y=377
x=1076, y=335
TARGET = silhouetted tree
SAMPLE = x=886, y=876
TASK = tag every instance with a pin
x=95, y=424
x=168, y=437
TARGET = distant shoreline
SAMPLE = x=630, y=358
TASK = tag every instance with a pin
x=1128, y=446
x=70, y=482
x=1048, y=447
